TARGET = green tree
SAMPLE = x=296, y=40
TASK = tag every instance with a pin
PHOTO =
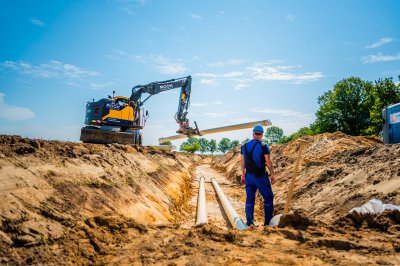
x=203, y=145
x=191, y=145
x=246, y=140
x=234, y=143
x=224, y=145
x=192, y=140
x=273, y=135
x=345, y=108
x=384, y=92
x=212, y=146
x=166, y=143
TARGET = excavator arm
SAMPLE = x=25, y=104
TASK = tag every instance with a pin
x=153, y=88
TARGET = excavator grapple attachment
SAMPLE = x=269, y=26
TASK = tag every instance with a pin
x=188, y=130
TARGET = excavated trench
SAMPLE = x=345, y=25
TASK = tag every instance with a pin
x=71, y=203
x=215, y=212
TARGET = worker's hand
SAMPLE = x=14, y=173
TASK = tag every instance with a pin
x=273, y=179
x=242, y=179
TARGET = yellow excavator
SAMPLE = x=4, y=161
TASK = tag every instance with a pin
x=119, y=119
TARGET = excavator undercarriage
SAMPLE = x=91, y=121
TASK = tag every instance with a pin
x=93, y=135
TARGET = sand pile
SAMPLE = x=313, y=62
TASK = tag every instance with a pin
x=338, y=172
x=50, y=187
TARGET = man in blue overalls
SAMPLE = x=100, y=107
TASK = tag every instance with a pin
x=253, y=158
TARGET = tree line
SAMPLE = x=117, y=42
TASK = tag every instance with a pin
x=203, y=145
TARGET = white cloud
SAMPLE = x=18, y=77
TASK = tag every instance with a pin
x=73, y=84
x=208, y=81
x=290, y=17
x=169, y=66
x=215, y=115
x=232, y=62
x=51, y=69
x=196, y=16
x=280, y=112
x=206, y=75
x=380, y=58
x=14, y=113
x=38, y=22
x=228, y=75
x=161, y=63
x=99, y=86
x=206, y=104
x=379, y=43
x=123, y=56
x=233, y=74
x=270, y=72
x=212, y=78
x=241, y=86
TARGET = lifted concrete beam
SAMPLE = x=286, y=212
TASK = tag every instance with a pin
x=220, y=129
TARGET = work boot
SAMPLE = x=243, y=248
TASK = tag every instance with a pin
x=252, y=224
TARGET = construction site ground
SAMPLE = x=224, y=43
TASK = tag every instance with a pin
x=73, y=203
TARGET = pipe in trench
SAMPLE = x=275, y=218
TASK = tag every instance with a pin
x=234, y=218
x=201, y=217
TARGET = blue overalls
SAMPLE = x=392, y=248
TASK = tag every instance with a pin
x=254, y=181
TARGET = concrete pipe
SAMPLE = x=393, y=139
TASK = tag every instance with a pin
x=220, y=129
x=234, y=218
x=201, y=204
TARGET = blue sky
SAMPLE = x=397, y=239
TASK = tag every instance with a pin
x=249, y=59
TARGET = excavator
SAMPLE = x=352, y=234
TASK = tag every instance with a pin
x=119, y=119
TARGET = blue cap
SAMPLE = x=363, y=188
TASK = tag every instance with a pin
x=258, y=128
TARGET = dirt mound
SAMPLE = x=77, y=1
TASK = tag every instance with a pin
x=388, y=221
x=49, y=187
x=298, y=219
x=78, y=204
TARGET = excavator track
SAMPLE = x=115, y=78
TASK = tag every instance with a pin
x=90, y=135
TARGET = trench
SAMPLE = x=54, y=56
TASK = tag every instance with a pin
x=215, y=213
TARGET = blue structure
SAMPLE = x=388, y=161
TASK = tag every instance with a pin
x=391, y=126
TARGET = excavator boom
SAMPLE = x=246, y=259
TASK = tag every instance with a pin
x=153, y=88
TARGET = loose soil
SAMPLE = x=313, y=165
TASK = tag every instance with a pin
x=67, y=203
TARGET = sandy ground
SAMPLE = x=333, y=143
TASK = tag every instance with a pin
x=80, y=204
x=215, y=213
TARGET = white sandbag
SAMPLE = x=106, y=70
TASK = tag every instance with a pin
x=375, y=206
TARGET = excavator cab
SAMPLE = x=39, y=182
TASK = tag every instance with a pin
x=121, y=100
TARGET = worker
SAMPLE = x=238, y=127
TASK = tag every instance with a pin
x=253, y=158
